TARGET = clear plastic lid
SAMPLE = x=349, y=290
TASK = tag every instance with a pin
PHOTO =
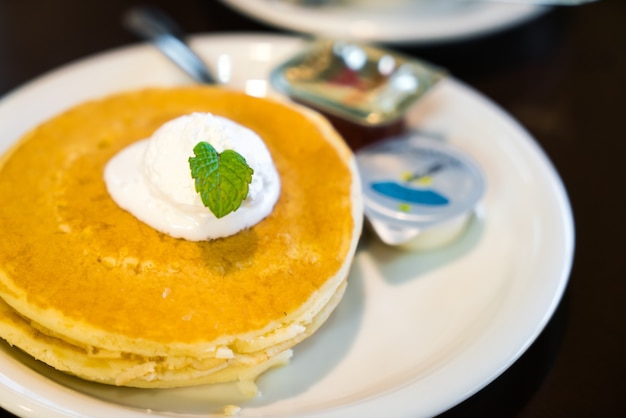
x=413, y=184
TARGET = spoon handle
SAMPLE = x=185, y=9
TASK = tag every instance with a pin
x=155, y=26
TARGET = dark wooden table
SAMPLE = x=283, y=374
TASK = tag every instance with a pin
x=563, y=76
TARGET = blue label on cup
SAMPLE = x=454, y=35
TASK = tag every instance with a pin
x=408, y=194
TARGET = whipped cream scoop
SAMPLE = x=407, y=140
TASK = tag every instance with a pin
x=151, y=178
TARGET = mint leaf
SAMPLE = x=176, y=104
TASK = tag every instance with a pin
x=221, y=179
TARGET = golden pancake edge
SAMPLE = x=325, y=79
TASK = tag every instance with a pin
x=88, y=289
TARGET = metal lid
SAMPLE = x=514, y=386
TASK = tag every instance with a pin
x=361, y=83
x=414, y=183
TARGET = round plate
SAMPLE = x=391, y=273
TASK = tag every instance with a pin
x=393, y=21
x=416, y=333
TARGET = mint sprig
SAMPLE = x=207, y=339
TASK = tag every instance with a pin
x=221, y=179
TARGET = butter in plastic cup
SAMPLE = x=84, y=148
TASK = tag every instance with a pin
x=419, y=193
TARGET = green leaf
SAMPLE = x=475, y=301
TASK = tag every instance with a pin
x=221, y=179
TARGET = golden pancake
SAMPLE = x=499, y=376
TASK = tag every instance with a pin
x=91, y=290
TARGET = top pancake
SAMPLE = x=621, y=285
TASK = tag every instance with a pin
x=74, y=262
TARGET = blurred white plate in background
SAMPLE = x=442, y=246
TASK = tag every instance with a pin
x=394, y=21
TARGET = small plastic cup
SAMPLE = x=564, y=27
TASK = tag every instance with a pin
x=419, y=193
x=363, y=90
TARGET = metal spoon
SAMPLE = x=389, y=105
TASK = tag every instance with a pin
x=155, y=26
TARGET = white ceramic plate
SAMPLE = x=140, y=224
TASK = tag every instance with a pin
x=392, y=21
x=416, y=333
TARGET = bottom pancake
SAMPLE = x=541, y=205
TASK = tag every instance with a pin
x=128, y=369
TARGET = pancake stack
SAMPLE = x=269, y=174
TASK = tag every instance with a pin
x=90, y=290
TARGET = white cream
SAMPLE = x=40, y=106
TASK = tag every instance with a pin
x=152, y=180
